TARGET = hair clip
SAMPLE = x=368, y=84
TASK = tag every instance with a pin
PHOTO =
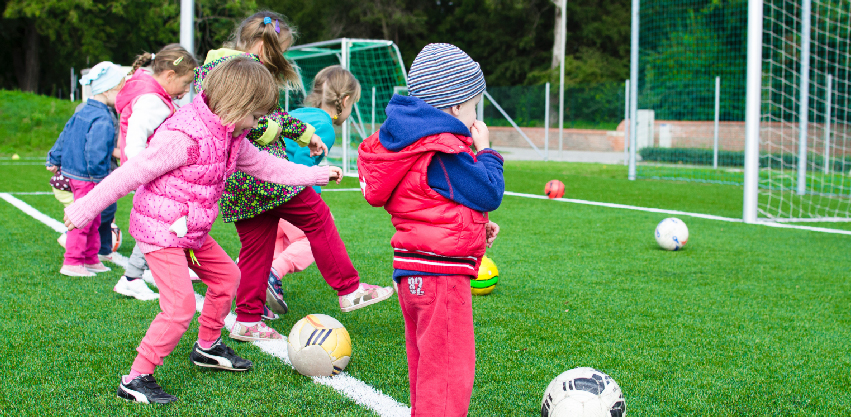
x=177, y=61
x=153, y=55
x=267, y=20
x=277, y=28
x=334, y=117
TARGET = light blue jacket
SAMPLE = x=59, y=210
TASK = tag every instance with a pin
x=320, y=120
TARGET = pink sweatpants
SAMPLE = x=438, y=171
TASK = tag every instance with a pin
x=292, y=249
x=177, y=299
x=440, y=343
x=82, y=243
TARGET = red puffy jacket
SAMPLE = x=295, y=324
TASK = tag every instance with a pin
x=433, y=233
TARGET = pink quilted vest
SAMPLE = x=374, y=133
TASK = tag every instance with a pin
x=140, y=83
x=191, y=190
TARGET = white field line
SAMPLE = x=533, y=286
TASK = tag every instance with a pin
x=679, y=213
x=348, y=386
x=30, y=192
x=22, y=163
x=340, y=189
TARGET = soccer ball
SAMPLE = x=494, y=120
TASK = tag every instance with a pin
x=554, y=189
x=319, y=345
x=116, y=237
x=487, y=279
x=583, y=392
x=671, y=234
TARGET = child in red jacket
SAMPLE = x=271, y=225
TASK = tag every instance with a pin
x=420, y=167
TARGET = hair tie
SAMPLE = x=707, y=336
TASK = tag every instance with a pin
x=267, y=20
x=277, y=28
x=334, y=117
x=153, y=55
x=177, y=61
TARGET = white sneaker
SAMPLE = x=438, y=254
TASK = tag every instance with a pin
x=76, y=271
x=364, y=296
x=136, y=289
x=97, y=268
x=105, y=258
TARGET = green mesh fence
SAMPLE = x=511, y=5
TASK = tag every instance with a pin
x=686, y=47
x=378, y=67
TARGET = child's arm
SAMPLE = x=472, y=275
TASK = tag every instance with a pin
x=474, y=182
x=264, y=166
x=149, y=112
x=281, y=123
x=54, y=155
x=166, y=152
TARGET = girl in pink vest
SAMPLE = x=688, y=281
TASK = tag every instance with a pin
x=179, y=179
x=145, y=103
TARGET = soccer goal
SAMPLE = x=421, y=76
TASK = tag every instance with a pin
x=803, y=139
x=378, y=66
x=700, y=64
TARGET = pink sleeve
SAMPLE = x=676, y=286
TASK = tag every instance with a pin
x=166, y=152
x=267, y=167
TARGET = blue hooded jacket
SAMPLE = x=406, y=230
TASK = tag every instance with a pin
x=476, y=183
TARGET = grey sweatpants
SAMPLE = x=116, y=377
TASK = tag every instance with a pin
x=136, y=265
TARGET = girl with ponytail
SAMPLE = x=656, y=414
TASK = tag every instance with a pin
x=145, y=102
x=256, y=207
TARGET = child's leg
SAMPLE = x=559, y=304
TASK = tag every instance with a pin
x=105, y=229
x=136, y=264
x=307, y=212
x=222, y=276
x=440, y=343
x=257, y=236
x=81, y=245
x=292, y=250
x=177, y=302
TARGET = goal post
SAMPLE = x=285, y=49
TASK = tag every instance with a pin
x=377, y=65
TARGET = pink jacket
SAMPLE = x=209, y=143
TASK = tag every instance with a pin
x=191, y=190
x=140, y=83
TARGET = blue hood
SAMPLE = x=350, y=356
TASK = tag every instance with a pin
x=409, y=119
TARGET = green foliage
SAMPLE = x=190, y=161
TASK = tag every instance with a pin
x=30, y=123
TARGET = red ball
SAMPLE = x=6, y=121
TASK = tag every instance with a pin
x=554, y=189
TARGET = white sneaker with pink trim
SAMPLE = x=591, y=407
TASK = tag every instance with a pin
x=76, y=271
x=363, y=296
x=259, y=331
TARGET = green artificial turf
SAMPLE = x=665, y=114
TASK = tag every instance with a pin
x=746, y=320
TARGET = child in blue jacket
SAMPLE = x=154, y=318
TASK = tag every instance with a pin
x=82, y=153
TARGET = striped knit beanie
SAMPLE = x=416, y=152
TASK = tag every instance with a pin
x=444, y=76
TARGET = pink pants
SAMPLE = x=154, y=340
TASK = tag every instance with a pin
x=440, y=343
x=177, y=299
x=82, y=243
x=292, y=250
x=307, y=212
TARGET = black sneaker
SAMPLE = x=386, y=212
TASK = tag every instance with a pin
x=144, y=389
x=219, y=356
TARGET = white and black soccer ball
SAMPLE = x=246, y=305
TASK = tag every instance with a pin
x=671, y=234
x=583, y=392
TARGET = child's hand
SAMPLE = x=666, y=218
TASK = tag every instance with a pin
x=336, y=174
x=317, y=147
x=53, y=168
x=481, y=137
x=491, y=230
x=68, y=224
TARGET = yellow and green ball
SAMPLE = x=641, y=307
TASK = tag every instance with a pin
x=487, y=279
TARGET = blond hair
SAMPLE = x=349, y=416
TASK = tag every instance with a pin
x=238, y=87
x=330, y=86
x=172, y=57
x=273, y=34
